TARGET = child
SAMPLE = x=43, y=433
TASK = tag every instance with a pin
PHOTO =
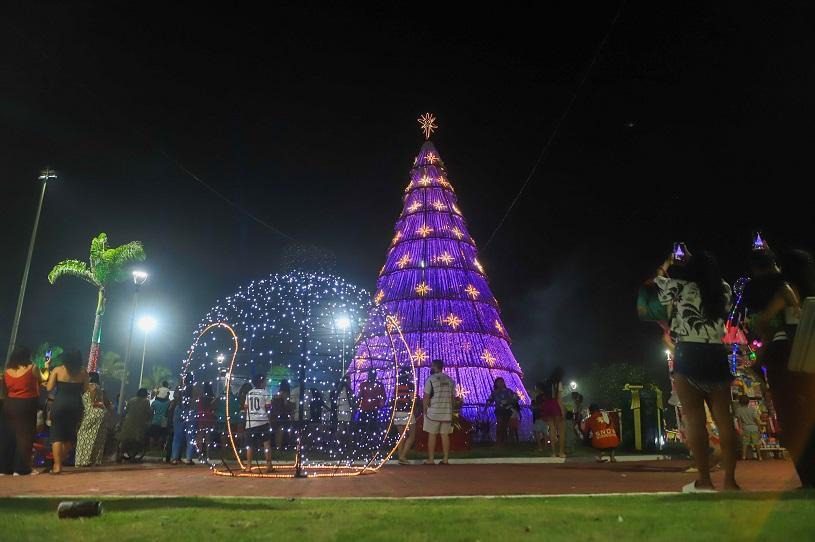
x=514, y=423
x=539, y=424
x=749, y=423
x=604, y=437
x=258, y=430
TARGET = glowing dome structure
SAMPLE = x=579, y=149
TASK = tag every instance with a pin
x=298, y=328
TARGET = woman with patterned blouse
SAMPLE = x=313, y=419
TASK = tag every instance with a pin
x=698, y=301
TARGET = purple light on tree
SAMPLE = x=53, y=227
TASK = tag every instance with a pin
x=434, y=285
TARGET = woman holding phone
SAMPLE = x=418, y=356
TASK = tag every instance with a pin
x=700, y=300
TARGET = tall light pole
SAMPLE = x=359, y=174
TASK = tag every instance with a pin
x=45, y=176
x=146, y=324
x=220, y=358
x=139, y=278
x=342, y=323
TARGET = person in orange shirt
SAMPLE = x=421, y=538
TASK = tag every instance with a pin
x=603, y=435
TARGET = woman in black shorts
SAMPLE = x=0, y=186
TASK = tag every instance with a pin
x=698, y=302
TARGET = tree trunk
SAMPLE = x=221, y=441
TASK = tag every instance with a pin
x=96, y=338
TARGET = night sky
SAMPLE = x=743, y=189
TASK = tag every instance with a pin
x=695, y=124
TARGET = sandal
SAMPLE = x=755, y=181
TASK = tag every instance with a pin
x=404, y=462
x=444, y=462
x=428, y=462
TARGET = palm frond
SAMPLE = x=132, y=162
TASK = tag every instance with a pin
x=131, y=252
x=72, y=268
x=112, y=366
x=158, y=375
x=99, y=245
x=117, y=258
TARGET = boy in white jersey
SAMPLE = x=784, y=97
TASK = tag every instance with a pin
x=258, y=430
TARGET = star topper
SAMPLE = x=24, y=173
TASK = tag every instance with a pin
x=428, y=124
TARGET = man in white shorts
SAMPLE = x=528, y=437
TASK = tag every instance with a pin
x=438, y=410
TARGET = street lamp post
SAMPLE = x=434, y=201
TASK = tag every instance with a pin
x=220, y=358
x=139, y=278
x=146, y=324
x=342, y=323
x=45, y=176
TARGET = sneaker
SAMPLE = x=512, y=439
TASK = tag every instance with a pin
x=691, y=488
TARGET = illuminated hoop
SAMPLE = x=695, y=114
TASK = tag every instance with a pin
x=376, y=461
x=231, y=331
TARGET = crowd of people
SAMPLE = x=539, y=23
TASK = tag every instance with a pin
x=64, y=411
x=52, y=416
x=69, y=410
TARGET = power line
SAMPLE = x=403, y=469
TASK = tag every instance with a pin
x=557, y=125
x=209, y=187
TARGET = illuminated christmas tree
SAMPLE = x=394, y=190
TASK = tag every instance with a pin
x=434, y=285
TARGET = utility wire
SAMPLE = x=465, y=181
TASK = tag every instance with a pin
x=557, y=125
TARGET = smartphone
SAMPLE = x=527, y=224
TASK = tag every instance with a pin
x=680, y=253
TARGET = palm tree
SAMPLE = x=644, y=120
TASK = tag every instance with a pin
x=113, y=368
x=44, y=348
x=107, y=265
x=159, y=374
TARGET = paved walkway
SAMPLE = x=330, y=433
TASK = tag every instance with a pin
x=396, y=481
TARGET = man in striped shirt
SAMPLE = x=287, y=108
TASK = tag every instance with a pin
x=438, y=410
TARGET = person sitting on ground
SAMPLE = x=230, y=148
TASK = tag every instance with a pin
x=601, y=431
x=134, y=427
x=749, y=423
x=258, y=407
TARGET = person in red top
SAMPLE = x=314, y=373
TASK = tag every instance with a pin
x=603, y=435
x=371, y=399
x=22, y=380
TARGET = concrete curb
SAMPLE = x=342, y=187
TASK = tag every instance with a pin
x=506, y=460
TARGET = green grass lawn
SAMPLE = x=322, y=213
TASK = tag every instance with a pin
x=745, y=517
